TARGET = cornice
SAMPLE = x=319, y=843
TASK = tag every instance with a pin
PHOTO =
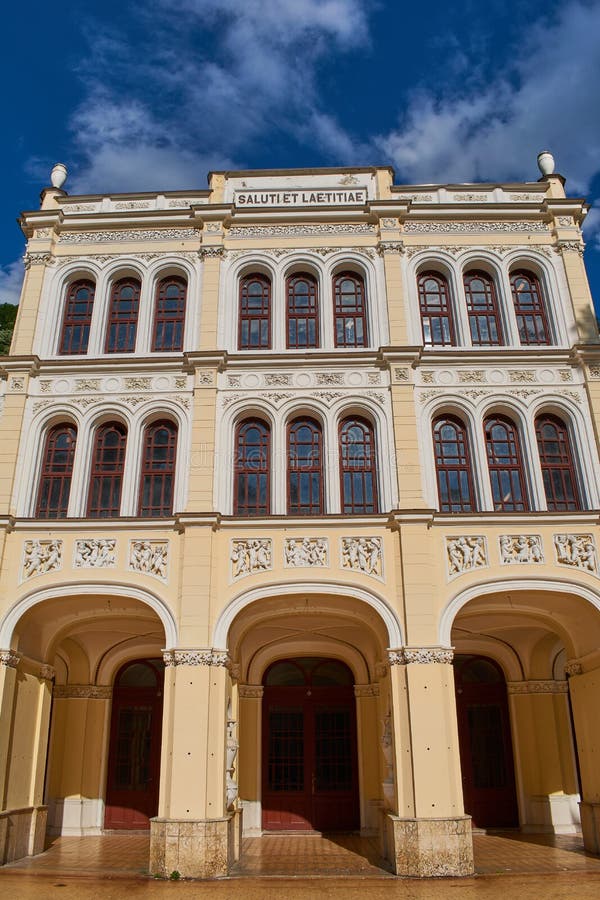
x=24, y=365
x=91, y=526
x=84, y=365
x=308, y=523
x=523, y=520
x=197, y=359
x=471, y=357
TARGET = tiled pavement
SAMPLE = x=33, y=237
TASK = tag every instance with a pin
x=290, y=855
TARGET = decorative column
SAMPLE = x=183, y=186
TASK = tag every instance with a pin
x=249, y=769
x=545, y=763
x=430, y=834
x=191, y=834
x=584, y=688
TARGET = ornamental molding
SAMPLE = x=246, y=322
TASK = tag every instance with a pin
x=416, y=198
x=456, y=249
x=250, y=556
x=537, y=687
x=528, y=376
x=474, y=227
x=565, y=374
x=102, y=258
x=149, y=558
x=87, y=384
x=16, y=384
x=9, y=658
x=384, y=247
x=212, y=252
x=401, y=374
x=279, y=252
x=41, y=558
x=362, y=554
x=527, y=198
x=366, y=690
x=565, y=221
x=132, y=204
x=277, y=379
x=328, y=396
x=251, y=691
x=472, y=376
x=329, y=378
x=95, y=553
x=80, y=207
x=305, y=552
x=47, y=673
x=205, y=377
x=570, y=247
x=82, y=692
x=198, y=657
x=520, y=548
x=465, y=554
x=389, y=223
x=38, y=259
x=135, y=234
x=138, y=384
x=471, y=198
x=575, y=396
x=420, y=655
x=264, y=231
x=594, y=371
x=577, y=551
x=573, y=667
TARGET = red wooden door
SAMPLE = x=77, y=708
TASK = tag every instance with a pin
x=309, y=748
x=134, y=754
x=486, y=756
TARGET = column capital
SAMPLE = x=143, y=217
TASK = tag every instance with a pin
x=9, y=658
x=202, y=656
x=251, y=691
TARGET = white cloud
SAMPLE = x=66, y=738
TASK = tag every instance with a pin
x=11, y=281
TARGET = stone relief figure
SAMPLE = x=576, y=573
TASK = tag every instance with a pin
x=521, y=548
x=577, y=550
x=465, y=554
x=95, y=554
x=248, y=557
x=306, y=552
x=149, y=557
x=41, y=557
x=363, y=555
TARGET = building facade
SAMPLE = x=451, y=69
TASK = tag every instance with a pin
x=299, y=516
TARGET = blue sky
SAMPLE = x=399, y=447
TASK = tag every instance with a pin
x=151, y=95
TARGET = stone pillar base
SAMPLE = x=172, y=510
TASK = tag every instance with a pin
x=196, y=848
x=22, y=832
x=590, y=825
x=424, y=848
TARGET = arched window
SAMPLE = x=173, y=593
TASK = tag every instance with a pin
x=169, y=314
x=350, y=310
x=302, y=312
x=55, y=476
x=305, y=468
x=482, y=310
x=252, y=469
x=556, y=460
x=122, y=316
x=436, y=313
x=453, y=465
x=106, y=475
x=530, y=308
x=358, y=472
x=158, y=470
x=255, y=313
x=505, y=465
x=77, y=317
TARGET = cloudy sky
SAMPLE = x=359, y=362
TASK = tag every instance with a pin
x=151, y=95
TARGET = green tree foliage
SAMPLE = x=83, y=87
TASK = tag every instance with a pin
x=8, y=314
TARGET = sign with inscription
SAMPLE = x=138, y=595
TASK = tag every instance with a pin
x=302, y=197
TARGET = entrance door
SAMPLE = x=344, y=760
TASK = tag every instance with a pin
x=309, y=747
x=485, y=743
x=134, y=755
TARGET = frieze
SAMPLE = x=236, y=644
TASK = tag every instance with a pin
x=377, y=396
x=537, y=687
x=474, y=394
x=373, y=378
x=230, y=398
x=474, y=227
x=278, y=379
x=199, y=657
x=524, y=393
x=149, y=558
x=401, y=374
x=278, y=396
x=306, y=552
x=565, y=374
x=420, y=655
x=45, y=387
x=234, y=380
x=82, y=691
x=38, y=259
x=206, y=377
x=594, y=371
x=416, y=198
x=87, y=384
x=42, y=233
x=520, y=548
x=577, y=551
x=181, y=383
x=366, y=690
x=390, y=247
x=41, y=558
x=132, y=204
x=390, y=223
x=9, y=658
x=571, y=247
x=465, y=554
x=327, y=378
x=573, y=667
x=327, y=396
x=471, y=198
x=250, y=556
x=95, y=553
x=80, y=207
x=526, y=376
x=212, y=252
x=138, y=384
x=565, y=221
x=251, y=691
x=362, y=554
x=84, y=402
x=136, y=234
x=527, y=198
x=41, y=404
x=428, y=377
x=293, y=231
x=475, y=376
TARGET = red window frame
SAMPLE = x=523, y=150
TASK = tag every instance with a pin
x=254, y=320
x=530, y=308
x=482, y=309
x=157, y=478
x=437, y=320
x=505, y=465
x=56, y=472
x=350, y=315
x=556, y=461
x=77, y=318
x=106, y=473
x=121, y=328
x=358, y=466
x=302, y=311
x=305, y=467
x=454, y=471
x=169, y=315
x=252, y=469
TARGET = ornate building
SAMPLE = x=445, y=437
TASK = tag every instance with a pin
x=299, y=514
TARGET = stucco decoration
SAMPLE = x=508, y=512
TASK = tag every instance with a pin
x=199, y=657
x=9, y=658
x=577, y=551
x=300, y=552
x=537, y=687
x=149, y=558
x=420, y=655
x=390, y=247
x=521, y=548
x=278, y=379
x=83, y=385
x=474, y=227
x=82, y=691
x=136, y=234
x=522, y=375
x=38, y=259
x=477, y=376
x=329, y=378
x=263, y=231
x=41, y=558
x=251, y=691
x=363, y=554
x=95, y=553
x=465, y=554
x=573, y=667
x=251, y=556
x=366, y=690
x=47, y=673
